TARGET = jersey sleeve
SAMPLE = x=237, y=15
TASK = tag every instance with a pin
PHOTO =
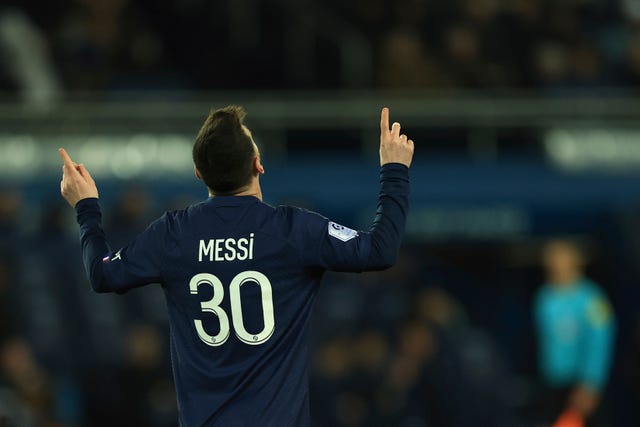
x=599, y=334
x=338, y=248
x=137, y=264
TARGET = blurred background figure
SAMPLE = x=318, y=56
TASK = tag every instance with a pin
x=34, y=401
x=108, y=45
x=405, y=63
x=136, y=392
x=26, y=60
x=575, y=327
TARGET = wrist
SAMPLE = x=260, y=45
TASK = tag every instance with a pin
x=394, y=166
x=86, y=202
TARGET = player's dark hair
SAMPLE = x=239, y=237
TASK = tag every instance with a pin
x=223, y=152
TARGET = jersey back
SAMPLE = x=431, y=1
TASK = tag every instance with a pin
x=240, y=278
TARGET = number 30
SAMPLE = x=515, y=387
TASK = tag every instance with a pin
x=213, y=306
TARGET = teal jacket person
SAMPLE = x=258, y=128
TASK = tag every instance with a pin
x=575, y=327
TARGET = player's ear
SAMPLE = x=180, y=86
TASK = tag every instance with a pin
x=257, y=166
x=197, y=172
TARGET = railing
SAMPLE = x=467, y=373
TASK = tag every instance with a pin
x=302, y=110
x=558, y=124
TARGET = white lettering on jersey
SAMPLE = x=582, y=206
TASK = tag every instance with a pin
x=206, y=247
x=226, y=249
x=341, y=232
x=116, y=256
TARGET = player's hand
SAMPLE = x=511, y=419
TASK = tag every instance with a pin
x=394, y=146
x=76, y=183
x=584, y=400
x=569, y=418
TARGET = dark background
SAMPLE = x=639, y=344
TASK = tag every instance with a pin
x=525, y=118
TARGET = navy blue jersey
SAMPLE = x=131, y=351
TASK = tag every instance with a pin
x=240, y=278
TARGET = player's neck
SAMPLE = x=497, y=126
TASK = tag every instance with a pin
x=565, y=279
x=253, y=190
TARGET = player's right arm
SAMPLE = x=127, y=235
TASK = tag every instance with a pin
x=137, y=264
x=396, y=154
x=341, y=249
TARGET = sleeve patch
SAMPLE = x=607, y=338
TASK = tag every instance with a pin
x=599, y=312
x=341, y=232
x=116, y=257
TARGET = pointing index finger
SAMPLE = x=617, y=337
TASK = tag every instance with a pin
x=384, y=120
x=67, y=162
x=65, y=157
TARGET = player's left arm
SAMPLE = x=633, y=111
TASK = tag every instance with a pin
x=135, y=265
x=341, y=249
x=600, y=324
x=598, y=352
x=331, y=246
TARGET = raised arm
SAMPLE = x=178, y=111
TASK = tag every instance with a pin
x=342, y=249
x=396, y=154
x=137, y=264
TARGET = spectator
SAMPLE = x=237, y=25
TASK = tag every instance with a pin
x=10, y=253
x=10, y=207
x=31, y=385
x=405, y=63
x=108, y=45
x=465, y=380
x=412, y=395
x=632, y=65
x=120, y=44
x=26, y=59
x=586, y=65
x=332, y=368
x=51, y=290
x=135, y=393
x=551, y=62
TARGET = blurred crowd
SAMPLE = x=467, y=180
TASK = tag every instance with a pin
x=432, y=342
x=67, y=356
x=49, y=49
